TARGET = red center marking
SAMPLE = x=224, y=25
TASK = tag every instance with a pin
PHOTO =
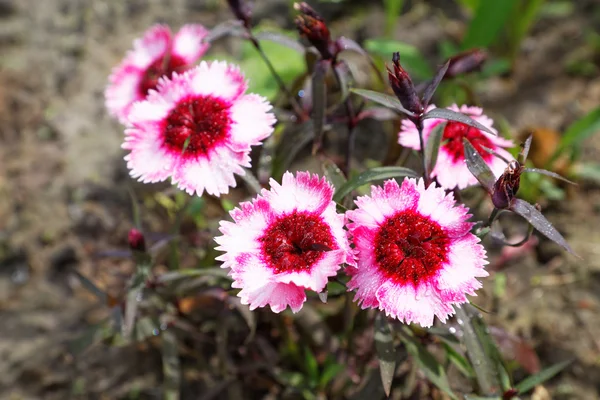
x=295, y=242
x=162, y=67
x=411, y=248
x=454, y=132
x=196, y=125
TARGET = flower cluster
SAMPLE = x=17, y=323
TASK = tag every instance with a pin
x=413, y=254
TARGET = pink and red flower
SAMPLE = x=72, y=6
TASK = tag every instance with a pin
x=156, y=55
x=416, y=255
x=197, y=128
x=285, y=241
x=451, y=169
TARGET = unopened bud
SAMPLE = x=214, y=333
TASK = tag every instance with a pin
x=242, y=10
x=465, y=62
x=312, y=27
x=403, y=87
x=507, y=186
x=136, y=240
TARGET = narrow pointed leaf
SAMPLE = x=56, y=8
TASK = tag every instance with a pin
x=319, y=97
x=539, y=222
x=345, y=43
x=549, y=173
x=370, y=175
x=282, y=39
x=131, y=308
x=383, y=99
x=476, y=164
x=432, y=86
x=378, y=113
x=333, y=173
x=532, y=381
x=432, y=147
x=231, y=27
x=386, y=352
x=460, y=362
x=91, y=286
x=293, y=140
x=450, y=115
x=191, y=273
x=171, y=365
x=428, y=364
x=525, y=150
x=578, y=131
x=343, y=75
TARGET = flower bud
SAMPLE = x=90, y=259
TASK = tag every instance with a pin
x=506, y=187
x=312, y=27
x=136, y=240
x=403, y=87
x=465, y=62
x=242, y=10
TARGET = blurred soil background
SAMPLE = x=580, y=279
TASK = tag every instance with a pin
x=63, y=185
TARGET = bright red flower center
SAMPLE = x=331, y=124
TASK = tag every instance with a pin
x=452, y=140
x=411, y=248
x=162, y=67
x=196, y=125
x=294, y=242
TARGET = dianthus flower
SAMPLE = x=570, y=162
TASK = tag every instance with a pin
x=416, y=255
x=451, y=169
x=285, y=241
x=197, y=128
x=157, y=54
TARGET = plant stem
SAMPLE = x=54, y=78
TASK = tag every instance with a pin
x=351, y=121
x=294, y=103
x=493, y=216
x=419, y=124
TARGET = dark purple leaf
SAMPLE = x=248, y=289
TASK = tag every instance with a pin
x=548, y=173
x=232, y=27
x=525, y=150
x=281, y=39
x=342, y=72
x=319, y=95
x=444, y=113
x=476, y=164
x=432, y=86
x=386, y=351
x=432, y=146
x=383, y=99
x=539, y=222
x=344, y=43
x=378, y=113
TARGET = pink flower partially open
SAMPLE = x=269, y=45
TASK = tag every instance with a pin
x=197, y=128
x=451, y=169
x=156, y=55
x=285, y=241
x=416, y=255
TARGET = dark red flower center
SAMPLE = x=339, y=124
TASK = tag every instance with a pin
x=296, y=241
x=163, y=66
x=452, y=140
x=196, y=125
x=411, y=248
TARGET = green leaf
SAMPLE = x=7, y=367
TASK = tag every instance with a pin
x=91, y=287
x=412, y=59
x=292, y=141
x=450, y=115
x=171, y=366
x=432, y=146
x=312, y=367
x=333, y=173
x=329, y=373
x=370, y=175
x=578, y=131
x=383, y=99
x=532, y=381
x=487, y=23
x=393, y=8
x=459, y=361
x=433, y=370
x=386, y=351
x=589, y=171
x=190, y=273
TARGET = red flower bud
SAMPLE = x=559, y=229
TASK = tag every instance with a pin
x=136, y=240
x=312, y=27
x=510, y=394
x=403, y=87
x=242, y=11
x=465, y=62
x=506, y=187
